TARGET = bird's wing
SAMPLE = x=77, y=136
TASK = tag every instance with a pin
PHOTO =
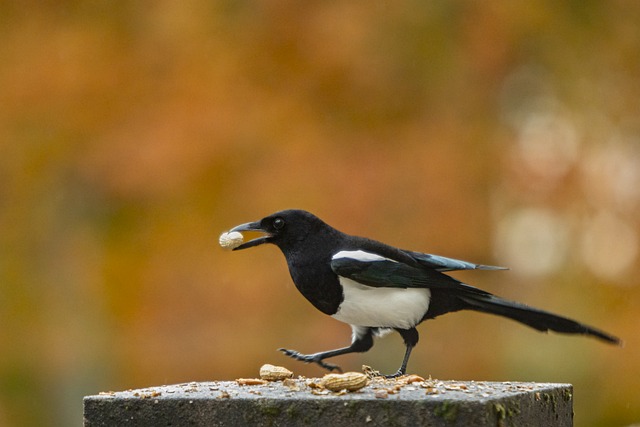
x=440, y=263
x=380, y=272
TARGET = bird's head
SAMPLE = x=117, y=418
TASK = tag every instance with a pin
x=284, y=229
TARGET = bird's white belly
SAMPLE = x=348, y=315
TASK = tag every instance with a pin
x=382, y=307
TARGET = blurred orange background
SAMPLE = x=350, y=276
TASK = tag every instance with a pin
x=133, y=133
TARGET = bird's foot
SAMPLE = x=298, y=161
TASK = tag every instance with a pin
x=399, y=373
x=310, y=358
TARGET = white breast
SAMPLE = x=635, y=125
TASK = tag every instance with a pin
x=382, y=307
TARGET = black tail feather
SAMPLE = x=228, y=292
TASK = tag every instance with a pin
x=533, y=317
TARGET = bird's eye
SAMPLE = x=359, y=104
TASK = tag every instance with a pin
x=278, y=223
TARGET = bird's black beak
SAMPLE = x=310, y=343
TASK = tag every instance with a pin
x=252, y=226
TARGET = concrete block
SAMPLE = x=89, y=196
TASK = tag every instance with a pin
x=295, y=403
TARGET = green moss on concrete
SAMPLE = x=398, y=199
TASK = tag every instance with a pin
x=447, y=410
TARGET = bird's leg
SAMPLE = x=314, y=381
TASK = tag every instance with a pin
x=362, y=341
x=315, y=358
x=410, y=337
x=403, y=368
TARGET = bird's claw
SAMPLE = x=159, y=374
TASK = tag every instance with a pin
x=399, y=373
x=310, y=358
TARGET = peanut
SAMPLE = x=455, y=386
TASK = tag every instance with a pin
x=350, y=381
x=274, y=373
x=231, y=240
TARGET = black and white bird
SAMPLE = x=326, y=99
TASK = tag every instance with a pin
x=377, y=288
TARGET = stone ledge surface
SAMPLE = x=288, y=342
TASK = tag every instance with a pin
x=295, y=403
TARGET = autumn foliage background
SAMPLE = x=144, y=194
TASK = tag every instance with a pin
x=133, y=133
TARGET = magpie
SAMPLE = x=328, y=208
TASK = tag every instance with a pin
x=377, y=288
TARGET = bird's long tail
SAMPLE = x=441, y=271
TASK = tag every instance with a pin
x=533, y=317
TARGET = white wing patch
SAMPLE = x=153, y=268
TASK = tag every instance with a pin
x=382, y=307
x=360, y=256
